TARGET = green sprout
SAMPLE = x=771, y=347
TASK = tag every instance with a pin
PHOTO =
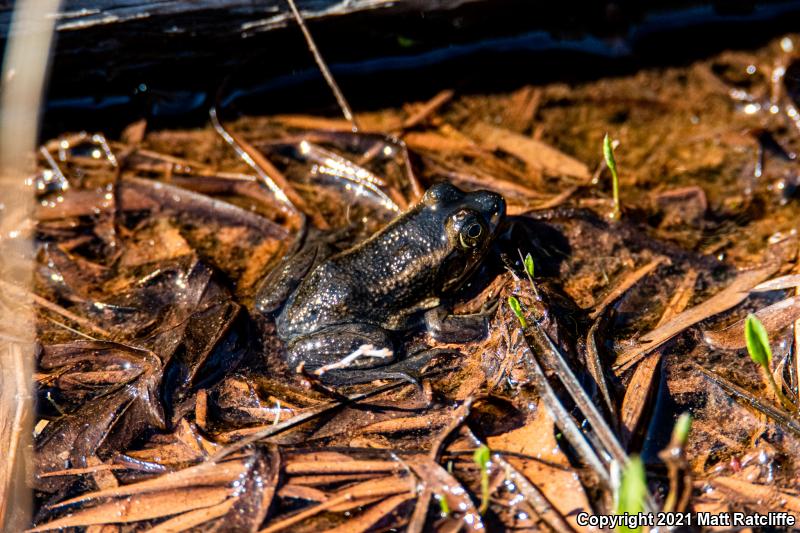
x=529, y=266
x=632, y=491
x=680, y=433
x=608, y=153
x=757, y=341
x=674, y=457
x=513, y=303
x=443, y=505
x=405, y=42
x=482, y=456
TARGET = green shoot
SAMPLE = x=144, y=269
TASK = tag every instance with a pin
x=680, y=433
x=757, y=341
x=405, y=42
x=608, y=153
x=482, y=456
x=513, y=303
x=529, y=266
x=443, y=505
x=632, y=491
x=675, y=459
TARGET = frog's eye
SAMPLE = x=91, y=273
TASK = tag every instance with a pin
x=470, y=234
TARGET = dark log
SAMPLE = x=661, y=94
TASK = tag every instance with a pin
x=118, y=60
x=253, y=15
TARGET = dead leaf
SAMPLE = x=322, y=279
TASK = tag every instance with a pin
x=536, y=154
x=729, y=297
x=775, y=318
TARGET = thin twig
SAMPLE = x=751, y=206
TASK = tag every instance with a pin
x=72, y=330
x=775, y=413
x=565, y=423
x=630, y=280
x=595, y=367
x=559, y=365
x=425, y=110
x=340, y=99
x=272, y=178
x=304, y=417
x=302, y=515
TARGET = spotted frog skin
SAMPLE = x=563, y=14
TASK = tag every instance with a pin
x=395, y=280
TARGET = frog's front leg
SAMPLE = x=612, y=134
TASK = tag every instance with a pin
x=446, y=327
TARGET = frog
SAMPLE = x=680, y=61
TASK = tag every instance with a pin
x=345, y=318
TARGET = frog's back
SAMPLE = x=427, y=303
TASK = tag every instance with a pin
x=400, y=271
x=369, y=283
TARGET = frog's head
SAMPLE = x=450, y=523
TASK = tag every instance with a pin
x=468, y=222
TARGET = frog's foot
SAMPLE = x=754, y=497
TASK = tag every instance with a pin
x=458, y=328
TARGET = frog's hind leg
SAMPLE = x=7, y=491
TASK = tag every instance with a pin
x=357, y=353
x=343, y=347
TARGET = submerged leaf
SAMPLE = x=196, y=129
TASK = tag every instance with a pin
x=729, y=297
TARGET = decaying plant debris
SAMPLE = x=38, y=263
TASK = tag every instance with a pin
x=163, y=401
